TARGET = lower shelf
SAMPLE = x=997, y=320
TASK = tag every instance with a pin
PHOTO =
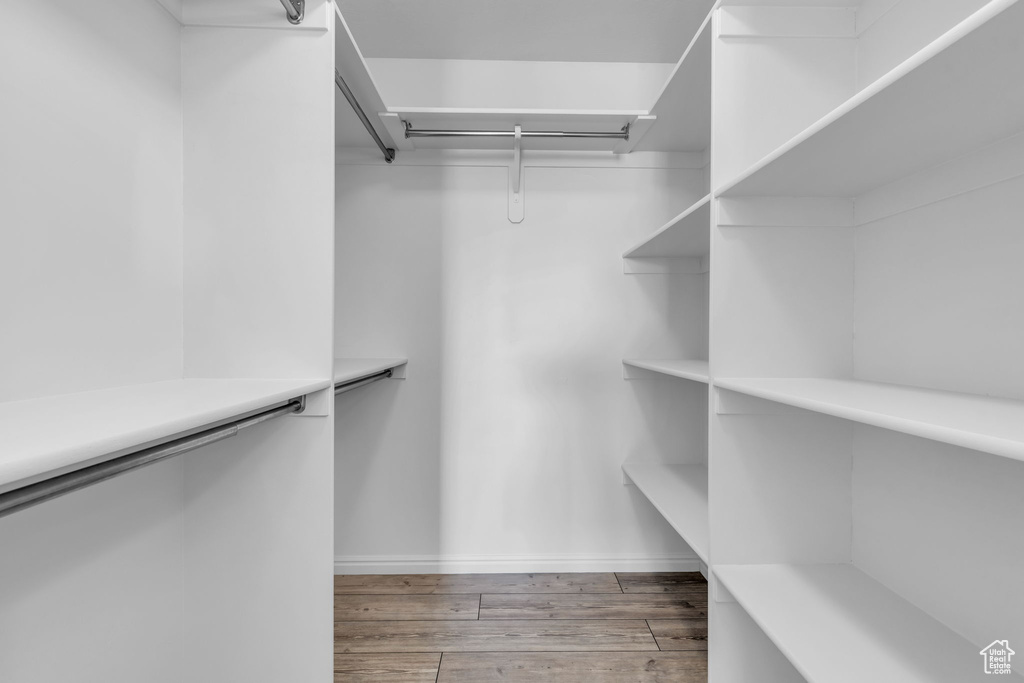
x=836, y=624
x=43, y=437
x=680, y=494
x=695, y=370
x=349, y=369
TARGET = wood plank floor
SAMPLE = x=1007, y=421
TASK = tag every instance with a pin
x=567, y=628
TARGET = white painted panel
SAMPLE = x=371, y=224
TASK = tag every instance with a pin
x=495, y=84
x=903, y=30
x=255, y=14
x=787, y=22
x=870, y=11
x=740, y=652
x=90, y=197
x=91, y=588
x=1001, y=161
x=768, y=90
x=938, y=294
x=258, y=561
x=784, y=302
x=388, y=301
x=259, y=165
x=514, y=407
x=780, y=489
x=926, y=514
x=174, y=7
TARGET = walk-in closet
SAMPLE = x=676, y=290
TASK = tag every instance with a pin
x=473, y=341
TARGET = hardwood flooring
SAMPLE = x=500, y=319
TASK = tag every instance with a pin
x=566, y=628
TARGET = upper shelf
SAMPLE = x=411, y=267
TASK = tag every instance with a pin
x=680, y=494
x=835, y=624
x=48, y=436
x=679, y=122
x=981, y=423
x=351, y=369
x=956, y=95
x=348, y=60
x=688, y=234
x=683, y=108
x=695, y=370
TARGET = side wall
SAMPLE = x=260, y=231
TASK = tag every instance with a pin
x=90, y=197
x=259, y=272
x=502, y=449
x=90, y=297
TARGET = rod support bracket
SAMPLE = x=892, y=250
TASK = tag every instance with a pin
x=295, y=9
x=516, y=198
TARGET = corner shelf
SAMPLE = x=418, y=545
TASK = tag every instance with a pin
x=688, y=234
x=683, y=106
x=680, y=494
x=694, y=370
x=47, y=436
x=351, y=369
x=836, y=624
x=981, y=423
x=948, y=99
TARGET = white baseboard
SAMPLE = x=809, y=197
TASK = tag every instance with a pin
x=484, y=564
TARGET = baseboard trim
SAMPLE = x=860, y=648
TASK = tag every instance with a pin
x=485, y=564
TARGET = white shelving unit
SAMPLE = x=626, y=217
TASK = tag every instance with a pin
x=838, y=220
x=680, y=494
x=682, y=246
x=950, y=98
x=835, y=624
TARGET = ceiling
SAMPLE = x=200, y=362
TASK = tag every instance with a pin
x=526, y=30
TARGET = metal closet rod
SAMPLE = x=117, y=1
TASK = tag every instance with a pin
x=40, y=492
x=296, y=10
x=342, y=387
x=389, y=154
x=410, y=132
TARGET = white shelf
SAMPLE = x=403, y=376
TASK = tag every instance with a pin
x=688, y=234
x=683, y=106
x=47, y=436
x=349, y=369
x=696, y=370
x=835, y=624
x=680, y=494
x=981, y=423
x=348, y=59
x=956, y=95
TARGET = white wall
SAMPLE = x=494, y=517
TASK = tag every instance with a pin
x=502, y=449
x=90, y=197
x=497, y=84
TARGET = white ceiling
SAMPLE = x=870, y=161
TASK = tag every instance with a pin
x=527, y=30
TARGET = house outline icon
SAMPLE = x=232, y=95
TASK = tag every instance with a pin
x=1002, y=646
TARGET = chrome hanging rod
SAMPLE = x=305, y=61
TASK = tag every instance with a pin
x=389, y=154
x=40, y=492
x=342, y=387
x=296, y=10
x=411, y=132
